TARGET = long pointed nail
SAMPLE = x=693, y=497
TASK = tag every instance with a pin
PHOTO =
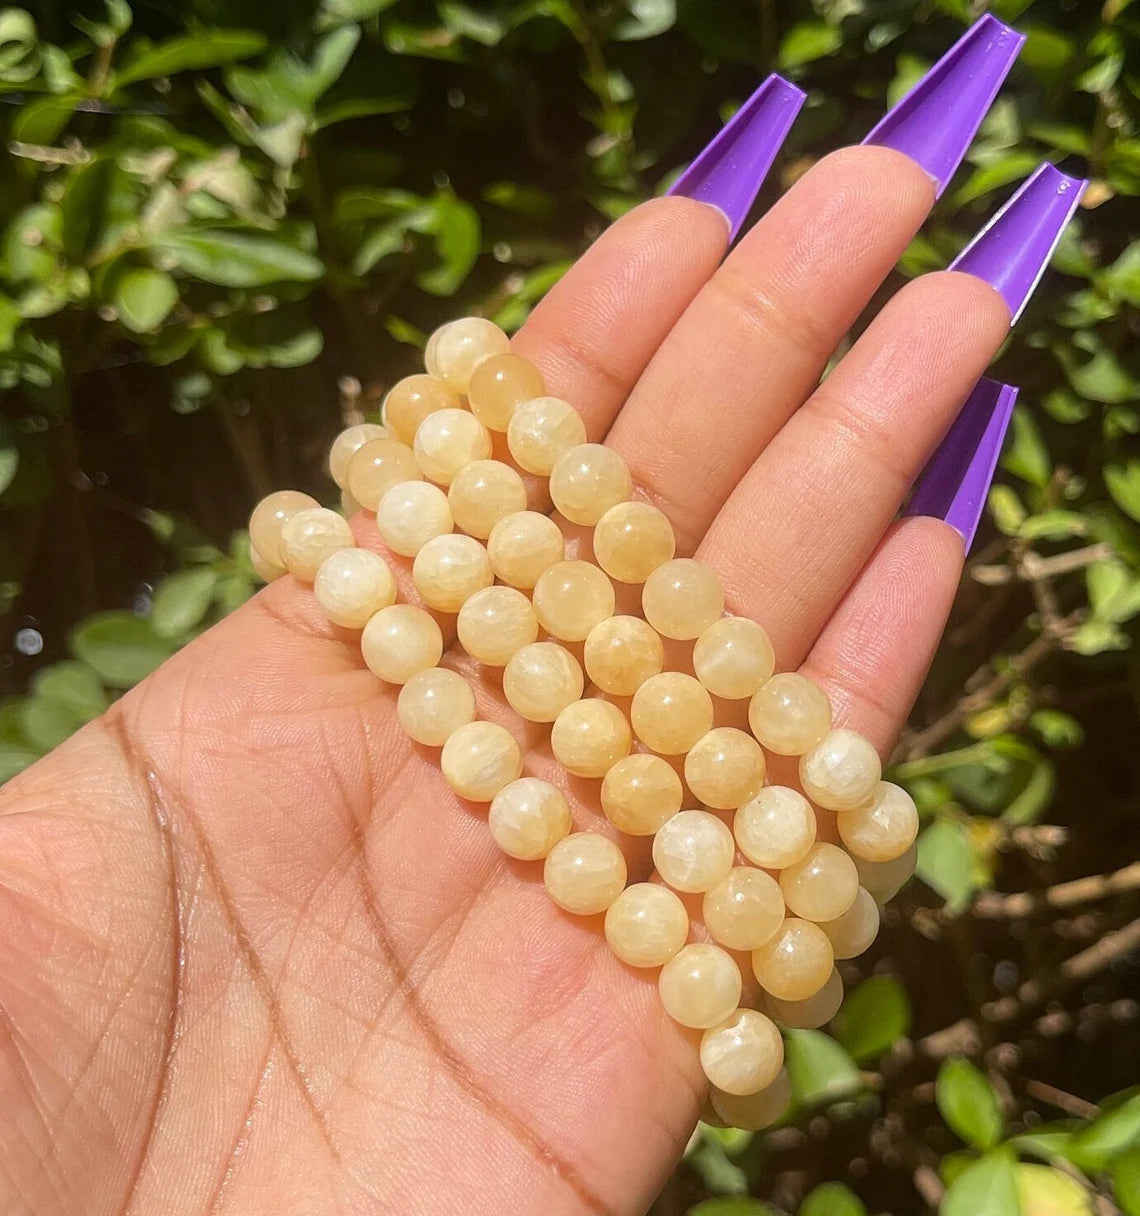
x=1012, y=251
x=935, y=123
x=956, y=481
x=728, y=174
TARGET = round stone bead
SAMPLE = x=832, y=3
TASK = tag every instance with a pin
x=621, y=653
x=670, y=712
x=399, y=641
x=410, y=514
x=584, y=873
x=776, y=828
x=646, y=925
x=733, y=657
x=348, y=505
x=433, y=705
x=854, y=931
x=479, y=759
x=457, y=348
x=744, y=910
x=271, y=515
x=348, y=442
x=541, y=680
x=523, y=546
x=310, y=536
x=541, y=430
x=484, y=492
x=725, y=768
x=640, y=794
x=499, y=384
x=822, y=885
x=841, y=771
x=754, y=1112
x=352, y=584
x=743, y=1054
x=796, y=962
x=449, y=569
x=494, y=623
x=409, y=401
x=589, y=737
x=571, y=598
x=789, y=714
x=587, y=480
x=811, y=1014
x=265, y=570
x=448, y=441
x=631, y=540
x=528, y=818
x=700, y=986
x=682, y=598
x=693, y=851
x=376, y=467
x=884, y=878
x=882, y=828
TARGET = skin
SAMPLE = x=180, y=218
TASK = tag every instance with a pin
x=256, y=958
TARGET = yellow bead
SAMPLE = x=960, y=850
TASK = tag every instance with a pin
x=682, y=598
x=523, y=546
x=631, y=540
x=352, y=584
x=725, y=768
x=744, y=910
x=310, y=536
x=584, y=873
x=744, y=1054
x=646, y=925
x=854, y=931
x=776, y=828
x=587, y=480
x=884, y=878
x=796, y=963
x=494, y=623
x=670, y=712
x=269, y=517
x=541, y=680
x=640, y=794
x=621, y=653
x=528, y=818
x=479, y=759
x=377, y=466
x=822, y=885
x=571, y=598
x=266, y=571
x=789, y=714
x=754, y=1112
x=484, y=492
x=448, y=441
x=700, y=986
x=400, y=640
x=541, y=430
x=841, y=771
x=409, y=401
x=449, y=569
x=498, y=385
x=812, y=1013
x=412, y=513
x=433, y=705
x=882, y=828
x=457, y=348
x=348, y=505
x=733, y=657
x=347, y=443
x=589, y=737
x=693, y=851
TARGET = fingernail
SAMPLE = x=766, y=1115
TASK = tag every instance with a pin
x=1012, y=251
x=728, y=174
x=956, y=481
x=935, y=123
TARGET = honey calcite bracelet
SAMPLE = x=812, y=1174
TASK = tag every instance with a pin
x=771, y=888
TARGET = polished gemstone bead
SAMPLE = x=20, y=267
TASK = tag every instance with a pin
x=498, y=385
x=449, y=569
x=693, y=851
x=682, y=598
x=587, y=480
x=523, y=546
x=796, y=962
x=584, y=873
x=621, y=653
x=884, y=878
x=410, y=514
x=589, y=737
x=409, y=401
x=733, y=658
x=754, y=1112
x=883, y=827
x=812, y=1013
x=494, y=623
x=789, y=714
x=841, y=771
x=270, y=516
x=400, y=640
x=457, y=348
x=725, y=768
x=352, y=584
x=348, y=505
x=641, y=793
x=434, y=704
x=266, y=571
x=448, y=441
x=310, y=536
x=854, y=931
x=528, y=818
x=376, y=467
x=670, y=712
x=743, y=1054
x=541, y=680
x=484, y=492
x=541, y=430
x=631, y=540
x=700, y=986
x=479, y=759
x=822, y=885
x=744, y=910
x=571, y=598
x=776, y=828
x=349, y=441
x=646, y=925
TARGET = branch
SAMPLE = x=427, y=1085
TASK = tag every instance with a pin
x=994, y=906
x=1032, y=568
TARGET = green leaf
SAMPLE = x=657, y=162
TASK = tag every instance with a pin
x=232, y=258
x=968, y=1103
x=986, y=1188
x=736, y=1205
x=1044, y=1191
x=1011, y=167
x=43, y=121
x=1027, y=456
x=9, y=464
x=819, y=1068
x=1054, y=525
x=48, y=723
x=1048, y=1141
x=946, y=862
x=16, y=752
x=873, y=1017
x=1125, y=1174
x=1095, y=637
x=458, y=233
x=337, y=12
x=1007, y=509
x=208, y=49
x=143, y=298
x=468, y=22
x=832, y=1199
x=1058, y=730
x=122, y=648
x=1109, y=1134
x=645, y=19
x=710, y=1159
x=1123, y=482
x=19, y=47
x=807, y=41
x=1045, y=49
x=1114, y=591
x=181, y=601
x=72, y=684
x=31, y=242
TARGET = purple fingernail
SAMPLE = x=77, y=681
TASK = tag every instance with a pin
x=956, y=481
x=728, y=174
x=1012, y=251
x=935, y=123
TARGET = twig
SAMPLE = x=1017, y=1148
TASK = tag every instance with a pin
x=1031, y=567
x=929, y=1186
x=1069, y=1103
x=994, y=906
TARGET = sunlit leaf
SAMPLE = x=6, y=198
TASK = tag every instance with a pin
x=873, y=1017
x=986, y=1188
x=968, y=1103
x=122, y=648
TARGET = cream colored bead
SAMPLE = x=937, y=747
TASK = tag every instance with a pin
x=733, y=657
x=682, y=598
x=822, y=885
x=587, y=480
x=409, y=401
x=348, y=505
x=621, y=653
x=700, y=986
x=796, y=963
x=882, y=828
x=841, y=771
x=811, y=1014
x=571, y=598
x=498, y=385
x=640, y=794
x=789, y=714
x=743, y=1054
x=266, y=571
x=693, y=851
x=352, y=584
x=744, y=910
x=458, y=347
x=541, y=680
x=271, y=515
x=433, y=705
x=854, y=931
x=412, y=513
x=528, y=818
x=400, y=640
x=725, y=768
x=589, y=737
x=377, y=466
x=541, y=430
x=494, y=623
x=448, y=441
x=584, y=873
x=523, y=546
x=631, y=540
x=348, y=442
x=449, y=569
x=646, y=925
x=670, y=712
x=754, y=1112
x=484, y=492
x=310, y=536
x=776, y=828
x=884, y=878
x=479, y=759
